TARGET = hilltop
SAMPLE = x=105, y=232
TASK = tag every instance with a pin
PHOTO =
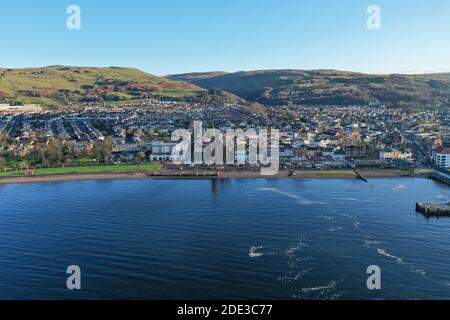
x=60, y=84
x=328, y=87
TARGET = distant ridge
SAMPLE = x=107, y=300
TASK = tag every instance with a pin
x=57, y=84
x=328, y=87
x=198, y=75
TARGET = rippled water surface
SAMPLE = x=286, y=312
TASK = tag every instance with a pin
x=212, y=239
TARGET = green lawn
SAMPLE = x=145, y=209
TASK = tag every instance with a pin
x=90, y=169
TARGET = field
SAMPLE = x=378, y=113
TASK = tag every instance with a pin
x=88, y=169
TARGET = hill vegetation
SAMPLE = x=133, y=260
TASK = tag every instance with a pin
x=64, y=85
x=59, y=84
x=328, y=87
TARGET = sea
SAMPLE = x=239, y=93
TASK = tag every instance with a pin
x=224, y=239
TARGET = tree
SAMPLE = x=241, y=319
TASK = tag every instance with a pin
x=102, y=149
x=4, y=139
x=68, y=154
x=141, y=155
x=55, y=152
x=152, y=132
x=38, y=154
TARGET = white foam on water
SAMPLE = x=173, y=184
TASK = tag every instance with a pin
x=292, y=196
x=384, y=253
x=291, y=251
x=445, y=283
x=399, y=187
x=345, y=215
x=347, y=199
x=356, y=224
x=294, y=276
x=274, y=253
x=300, y=244
x=369, y=243
x=443, y=198
x=419, y=271
x=253, y=252
x=331, y=286
x=336, y=296
x=292, y=254
x=333, y=229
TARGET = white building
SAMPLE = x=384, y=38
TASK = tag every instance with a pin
x=338, y=156
x=395, y=155
x=161, y=151
x=126, y=148
x=25, y=108
x=441, y=157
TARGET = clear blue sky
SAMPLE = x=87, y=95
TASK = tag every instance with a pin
x=175, y=36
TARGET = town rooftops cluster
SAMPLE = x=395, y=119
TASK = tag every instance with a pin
x=310, y=136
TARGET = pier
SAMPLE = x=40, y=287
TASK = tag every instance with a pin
x=433, y=210
x=441, y=175
x=360, y=176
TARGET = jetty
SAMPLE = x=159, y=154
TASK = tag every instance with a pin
x=441, y=175
x=360, y=176
x=433, y=210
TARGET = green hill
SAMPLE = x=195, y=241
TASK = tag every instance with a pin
x=328, y=87
x=60, y=84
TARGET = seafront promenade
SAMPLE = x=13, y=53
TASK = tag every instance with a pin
x=441, y=175
x=205, y=174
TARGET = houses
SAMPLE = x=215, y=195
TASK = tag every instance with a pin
x=441, y=157
x=338, y=156
x=317, y=136
x=360, y=151
x=120, y=146
x=301, y=153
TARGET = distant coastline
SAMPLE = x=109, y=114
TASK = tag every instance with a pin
x=179, y=174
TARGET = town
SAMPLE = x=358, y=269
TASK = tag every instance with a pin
x=319, y=138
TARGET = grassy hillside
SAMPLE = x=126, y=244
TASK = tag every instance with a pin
x=59, y=84
x=328, y=87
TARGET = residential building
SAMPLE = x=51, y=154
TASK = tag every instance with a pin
x=441, y=157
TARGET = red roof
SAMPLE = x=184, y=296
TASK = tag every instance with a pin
x=443, y=150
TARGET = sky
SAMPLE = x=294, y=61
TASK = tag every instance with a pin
x=177, y=36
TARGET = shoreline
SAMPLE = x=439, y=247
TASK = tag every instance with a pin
x=179, y=174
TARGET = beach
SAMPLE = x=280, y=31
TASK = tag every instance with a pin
x=202, y=174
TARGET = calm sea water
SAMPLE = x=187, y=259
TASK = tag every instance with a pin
x=208, y=239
